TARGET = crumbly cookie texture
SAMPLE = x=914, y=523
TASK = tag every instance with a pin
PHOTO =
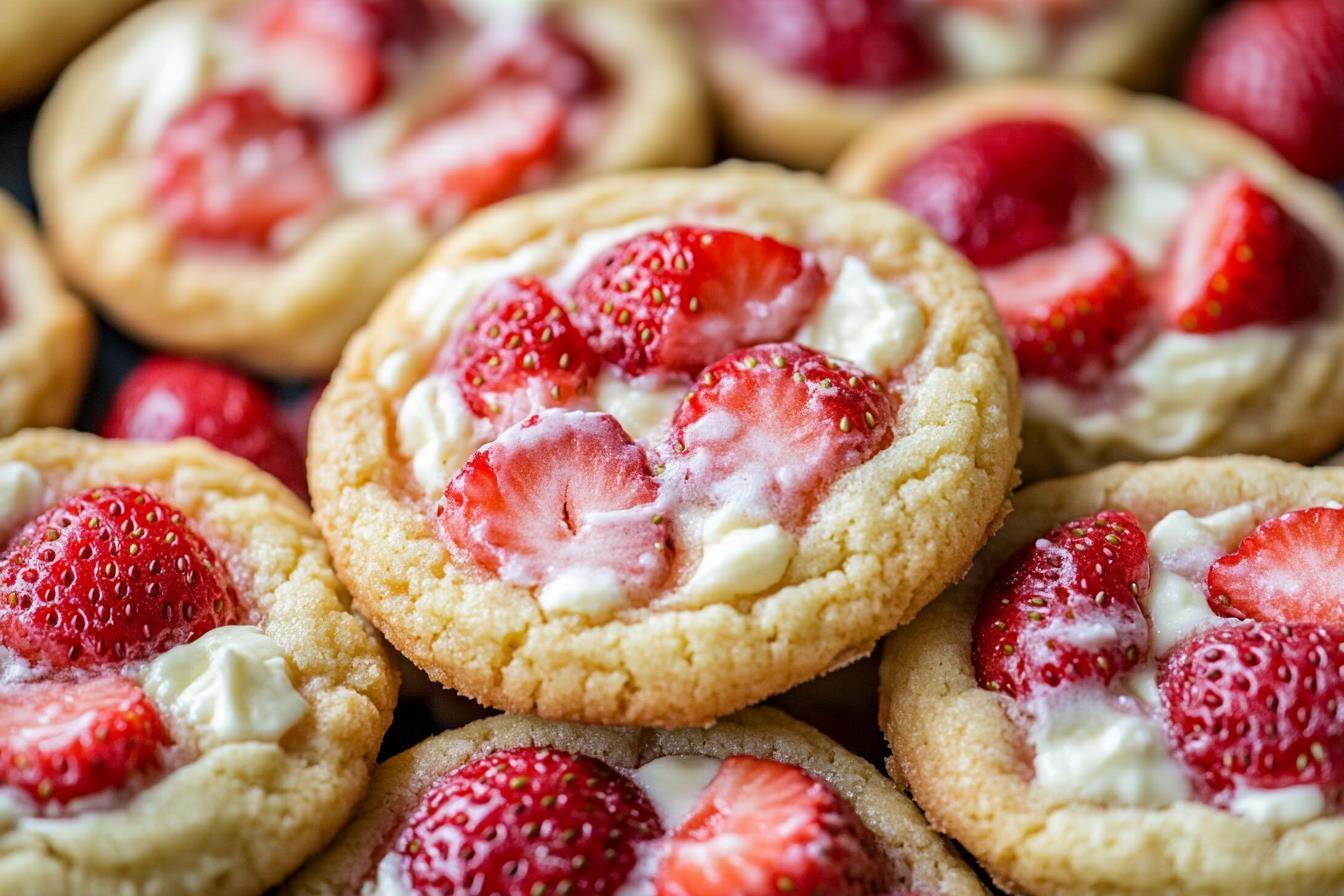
x=890, y=534
x=1293, y=414
x=37, y=37
x=290, y=314
x=968, y=768
x=46, y=335
x=399, y=783
x=243, y=815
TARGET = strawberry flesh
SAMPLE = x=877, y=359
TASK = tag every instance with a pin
x=526, y=821
x=1065, y=609
x=1290, y=569
x=536, y=53
x=675, y=300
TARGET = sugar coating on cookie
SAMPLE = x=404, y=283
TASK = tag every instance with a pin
x=625, y=438
x=179, y=673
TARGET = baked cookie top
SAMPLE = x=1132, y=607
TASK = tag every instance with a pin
x=186, y=703
x=655, y=447
x=1170, y=285
x=1136, y=690
x=734, y=809
x=37, y=37
x=46, y=335
x=246, y=178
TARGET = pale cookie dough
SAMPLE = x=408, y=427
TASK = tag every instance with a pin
x=400, y=782
x=37, y=37
x=46, y=335
x=773, y=114
x=1259, y=390
x=290, y=312
x=889, y=535
x=265, y=789
x=969, y=767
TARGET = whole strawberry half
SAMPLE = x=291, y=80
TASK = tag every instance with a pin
x=1004, y=189
x=519, y=353
x=674, y=300
x=560, y=490
x=774, y=425
x=524, y=822
x=1290, y=569
x=1065, y=608
x=871, y=44
x=1239, y=258
x=233, y=166
x=536, y=53
x=167, y=398
x=109, y=576
x=763, y=828
x=1276, y=68
x=63, y=740
x=1070, y=312
x=1257, y=705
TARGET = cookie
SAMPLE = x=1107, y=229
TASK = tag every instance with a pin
x=186, y=703
x=37, y=37
x=574, y=468
x=796, y=81
x=760, y=778
x=1171, y=286
x=244, y=179
x=46, y=335
x=1131, y=693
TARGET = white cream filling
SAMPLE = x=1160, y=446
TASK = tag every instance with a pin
x=742, y=555
x=389, y=880
x=20, y=495
x=981, y=44
x=870, y=322
x=1282, y=807
x=231, y=684
x=643, y=409
x=1152, y=184
x=437, y=430
x=164, y=72
x=674, y=784
x=592, y=244
x=583, y=591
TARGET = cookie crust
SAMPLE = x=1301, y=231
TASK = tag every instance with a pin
x=37, y=37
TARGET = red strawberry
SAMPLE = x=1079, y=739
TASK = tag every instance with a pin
x=1276, y=67
x=500, y=142
x=1065, y=608
x=1004, y=189
x=519, y=354
x=1070, y=311
x=233, y=166
x=848, y=43
x=527, y=821
x=775, y=424
x=63, y=740
x=678, y=299
x=557, y=491
x=168, y=398
x=1257, y=705
x=537, y=53
x=110, y=576
x=1290, y=569
x=762, y=828
x=1240, y=259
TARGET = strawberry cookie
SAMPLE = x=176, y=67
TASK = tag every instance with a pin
x=46, y=335
x=37, y=37
x=244, y=179
x=653, y=448
x=796, y=80
x=758, y=805
x=186, y=704
x=1137, y=690
x=1170, y=285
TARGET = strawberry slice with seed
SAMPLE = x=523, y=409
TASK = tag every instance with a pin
x=1290, y=569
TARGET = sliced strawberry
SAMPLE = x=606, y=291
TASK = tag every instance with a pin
x=519, y=354
x=500, y=142
x=774, y=425
x=560, y=490
x=168, y=398
x=536, y=53
x=1065, y=608
x=1071, y=311
x=1277, y=69
x=526, y=821
x=1290, y=569
x=1004, y=189
x=854, y=43
x=1258, y=705
x=110, y=576
x=332, y=56
x=63, y=740
x=678, y=299
x=762, y=828
x=1241, y=259
x=233, y=166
